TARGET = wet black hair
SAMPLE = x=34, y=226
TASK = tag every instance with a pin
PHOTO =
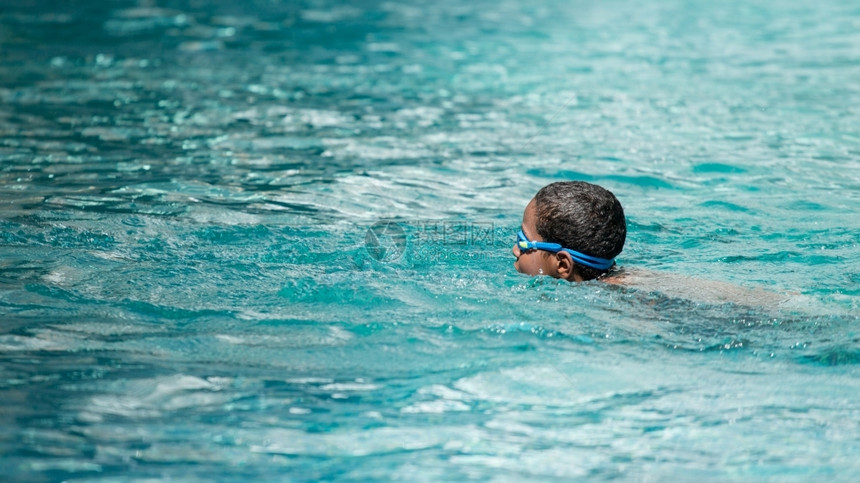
x=583, y=217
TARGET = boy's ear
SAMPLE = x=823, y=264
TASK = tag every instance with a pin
x=565, y=266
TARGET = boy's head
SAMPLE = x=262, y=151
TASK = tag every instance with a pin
x=587, y=221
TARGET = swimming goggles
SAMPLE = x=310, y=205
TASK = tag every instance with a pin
x=581, y=258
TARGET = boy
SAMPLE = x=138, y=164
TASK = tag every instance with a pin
x=571, y=230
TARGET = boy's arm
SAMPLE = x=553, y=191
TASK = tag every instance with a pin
x=707, y=291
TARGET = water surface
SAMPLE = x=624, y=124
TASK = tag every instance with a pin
x=272, y=240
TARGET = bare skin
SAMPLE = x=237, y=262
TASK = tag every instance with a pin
x=706, y=291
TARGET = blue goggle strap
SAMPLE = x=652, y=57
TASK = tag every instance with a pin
x=581, y=258
x=589, y=261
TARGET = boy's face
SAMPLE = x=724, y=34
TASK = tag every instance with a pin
x=533, y=262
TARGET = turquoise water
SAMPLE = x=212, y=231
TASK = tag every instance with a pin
x=271, y=240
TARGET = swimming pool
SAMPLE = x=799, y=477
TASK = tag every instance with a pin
x=271, y=240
